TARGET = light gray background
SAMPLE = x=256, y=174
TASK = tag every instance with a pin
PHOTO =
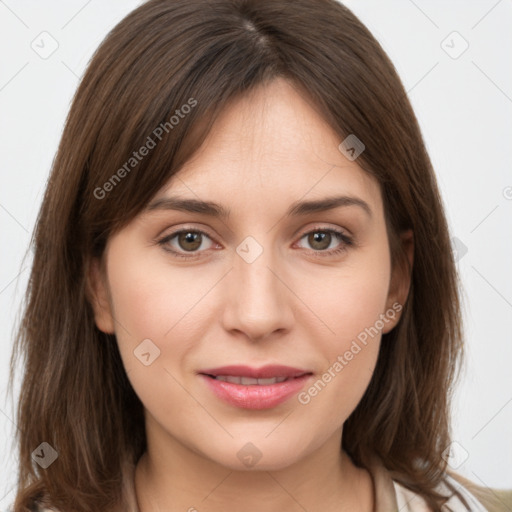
x=464, y=106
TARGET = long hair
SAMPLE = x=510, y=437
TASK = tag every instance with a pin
x=159, y=80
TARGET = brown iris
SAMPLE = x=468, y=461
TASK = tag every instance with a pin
x=192, y=239
x=319, y=237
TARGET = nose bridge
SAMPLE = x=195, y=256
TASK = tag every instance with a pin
x=258, y=302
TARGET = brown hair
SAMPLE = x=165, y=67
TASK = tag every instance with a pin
x=163, y=56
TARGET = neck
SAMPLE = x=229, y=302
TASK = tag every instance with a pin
x=170, y=477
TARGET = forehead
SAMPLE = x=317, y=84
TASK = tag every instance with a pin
x=271, y=144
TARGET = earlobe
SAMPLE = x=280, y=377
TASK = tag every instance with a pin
x=400, y=280
x=97, y=293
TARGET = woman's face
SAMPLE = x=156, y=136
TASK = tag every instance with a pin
x=261, y=286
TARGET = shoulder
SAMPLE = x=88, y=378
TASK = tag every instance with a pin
x=493, y=500
x=468, y=497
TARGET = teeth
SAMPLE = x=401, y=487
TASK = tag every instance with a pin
x=273, y=380
x=249, y=381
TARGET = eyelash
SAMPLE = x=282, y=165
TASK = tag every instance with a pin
x=345, y=239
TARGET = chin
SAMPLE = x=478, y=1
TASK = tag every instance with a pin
x=264, y=455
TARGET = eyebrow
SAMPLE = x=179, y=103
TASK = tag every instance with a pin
x=299, y=208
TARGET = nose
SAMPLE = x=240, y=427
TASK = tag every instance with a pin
x=259, y=301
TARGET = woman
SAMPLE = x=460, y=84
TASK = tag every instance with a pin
x=299, y=354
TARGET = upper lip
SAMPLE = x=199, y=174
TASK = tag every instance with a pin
x=263, y=372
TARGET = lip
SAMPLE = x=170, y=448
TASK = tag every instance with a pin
x=264, y=372
x=256, y=397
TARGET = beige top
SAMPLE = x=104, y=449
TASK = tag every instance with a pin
x=390, y=496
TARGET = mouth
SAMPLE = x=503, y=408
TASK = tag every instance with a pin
x=250, y=388
x=249, y=381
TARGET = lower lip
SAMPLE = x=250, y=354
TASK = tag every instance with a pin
x=255, y=396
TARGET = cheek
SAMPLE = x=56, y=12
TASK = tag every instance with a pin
x=150, y=297
x=350, y=302
x=156, y=301
x=349, y=353
x=151, y=302
x=350, y=298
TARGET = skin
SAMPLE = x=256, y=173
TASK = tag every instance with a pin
x=293, y=305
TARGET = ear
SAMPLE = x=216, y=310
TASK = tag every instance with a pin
x=99, y=297
x=400, y=279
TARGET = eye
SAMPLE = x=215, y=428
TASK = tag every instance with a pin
x=188, y=241
x=320, y=239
